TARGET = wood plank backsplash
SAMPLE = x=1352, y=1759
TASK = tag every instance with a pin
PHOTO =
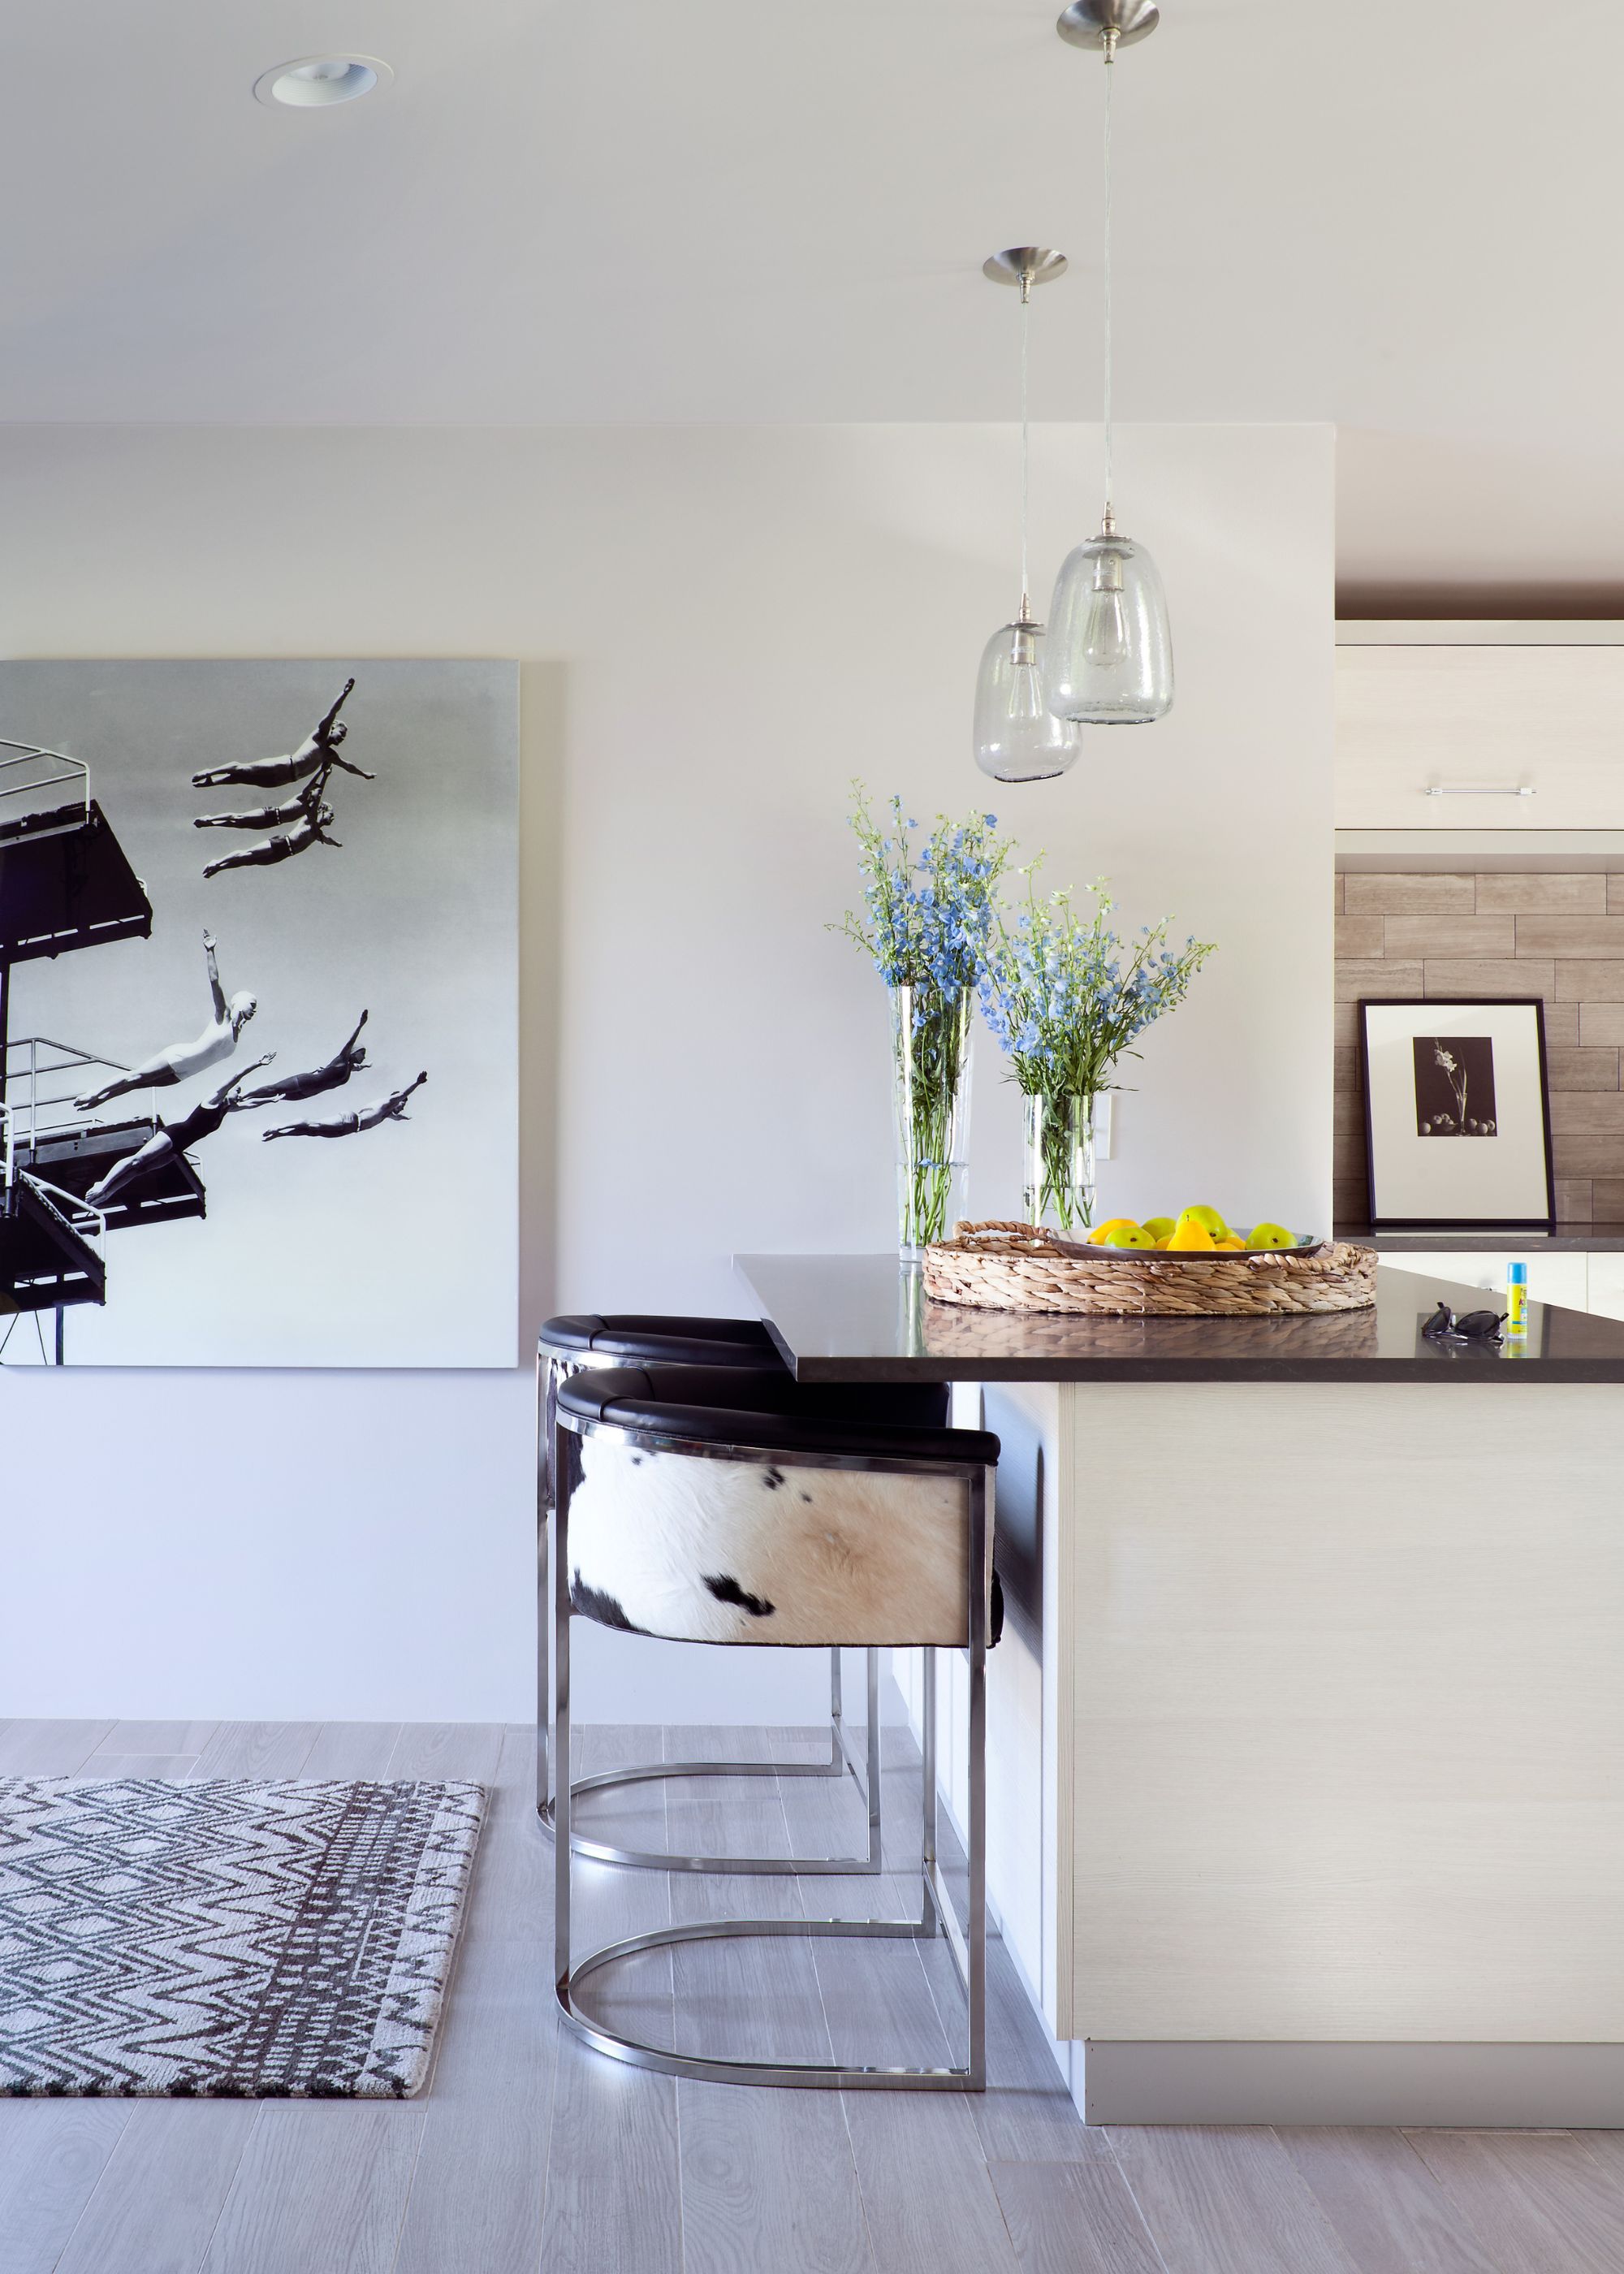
x=1444, y=933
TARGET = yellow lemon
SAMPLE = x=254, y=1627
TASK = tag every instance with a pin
x=1270, y=1235
x=1163, y=1240
x=1128, y=1235
x=1209, y=1219
x=1102, y=1232
x=1234, y=1246
x=1191, y=1238
x=1161, y=1227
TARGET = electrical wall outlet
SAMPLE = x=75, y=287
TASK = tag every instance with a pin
x=1104, y=1126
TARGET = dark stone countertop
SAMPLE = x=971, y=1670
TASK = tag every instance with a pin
x=1566, y=1239
x=865, y=1318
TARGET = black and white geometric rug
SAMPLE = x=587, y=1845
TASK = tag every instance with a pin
x=231, y=1938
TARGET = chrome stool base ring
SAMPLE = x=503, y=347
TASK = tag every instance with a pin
x=844, y=1867
x=839, y=1764
x=716, y=2069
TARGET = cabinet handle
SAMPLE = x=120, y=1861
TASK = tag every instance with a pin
x=1470, y=789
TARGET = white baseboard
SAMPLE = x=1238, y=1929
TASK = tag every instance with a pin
x=1509, y=2087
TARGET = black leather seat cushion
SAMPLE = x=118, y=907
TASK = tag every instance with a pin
x=646, y=1338
x=723, y=1405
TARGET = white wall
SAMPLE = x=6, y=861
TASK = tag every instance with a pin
x=723, y=627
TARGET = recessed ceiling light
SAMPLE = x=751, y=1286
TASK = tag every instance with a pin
x=314, y=81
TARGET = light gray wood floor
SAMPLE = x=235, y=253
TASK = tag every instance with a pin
x=530, y=2152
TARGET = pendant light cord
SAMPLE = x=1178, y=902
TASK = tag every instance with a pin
x=1026, y=447
x=1110, y=77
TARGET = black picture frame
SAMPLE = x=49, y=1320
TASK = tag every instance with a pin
x=1430, y=1010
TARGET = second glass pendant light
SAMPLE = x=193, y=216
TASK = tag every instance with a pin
x=1109, y=661
x=1111, y=654
x=1018, y=736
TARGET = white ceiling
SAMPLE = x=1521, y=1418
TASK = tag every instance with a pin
x=1399, y=218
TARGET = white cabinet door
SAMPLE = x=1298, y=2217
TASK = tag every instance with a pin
x=1485, y=721
x=1563, y=1279
x=1607, y=1285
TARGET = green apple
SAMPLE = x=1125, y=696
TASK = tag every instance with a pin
x=1209, y=1220
x=1131, y=1235
x=1270, y=1235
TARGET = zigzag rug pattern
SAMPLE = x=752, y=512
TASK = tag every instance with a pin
x=227, y=1938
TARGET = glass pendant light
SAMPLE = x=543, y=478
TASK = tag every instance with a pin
x=1109, y=661
x=1018, y=737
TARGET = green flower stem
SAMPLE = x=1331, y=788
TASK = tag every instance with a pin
x=1060, y=1158
x=930, y=1042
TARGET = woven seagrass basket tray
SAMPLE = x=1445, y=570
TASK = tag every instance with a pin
x=1010, y=1267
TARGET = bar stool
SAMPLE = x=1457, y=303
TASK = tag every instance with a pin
x=702, y=1504
x=571, y=1343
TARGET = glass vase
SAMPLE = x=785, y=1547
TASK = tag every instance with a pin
x=1060, y=1188
x=930, y=1060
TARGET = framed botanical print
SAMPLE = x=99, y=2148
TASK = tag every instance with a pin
x=1458, y=1116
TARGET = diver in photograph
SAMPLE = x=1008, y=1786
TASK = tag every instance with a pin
x=347, y=1125
x=170, y=1138
x=318, y=748
x=293, y=1088
x=298, y=808
x=281, y=845
x=181, y=1060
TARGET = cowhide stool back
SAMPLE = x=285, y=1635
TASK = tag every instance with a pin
x=593, y=1340
x=704, y=1504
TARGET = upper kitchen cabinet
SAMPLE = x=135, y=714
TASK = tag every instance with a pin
x=1480, y=725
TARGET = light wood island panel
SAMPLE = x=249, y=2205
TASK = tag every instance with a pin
x=1339, y=1747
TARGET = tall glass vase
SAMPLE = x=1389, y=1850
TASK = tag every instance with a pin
x=930, y=1059
x=1060, y=1187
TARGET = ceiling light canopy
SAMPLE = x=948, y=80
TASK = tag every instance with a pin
x=317, y=82
x=1086, y=22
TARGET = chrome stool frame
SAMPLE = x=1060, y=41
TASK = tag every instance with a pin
x=552, y=1367
x=967, y=1945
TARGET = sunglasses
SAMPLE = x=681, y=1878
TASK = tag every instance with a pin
x=1470, y=1326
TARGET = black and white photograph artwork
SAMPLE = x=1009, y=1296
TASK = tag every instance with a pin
x=1433, y=1071
x=1455, y=1086
x=259, y=971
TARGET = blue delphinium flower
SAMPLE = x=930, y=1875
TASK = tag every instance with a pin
x=1064, y=1000
x=927, y=917
x=1058, y=1000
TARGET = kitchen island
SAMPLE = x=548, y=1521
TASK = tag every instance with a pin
x=1306, y=1734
